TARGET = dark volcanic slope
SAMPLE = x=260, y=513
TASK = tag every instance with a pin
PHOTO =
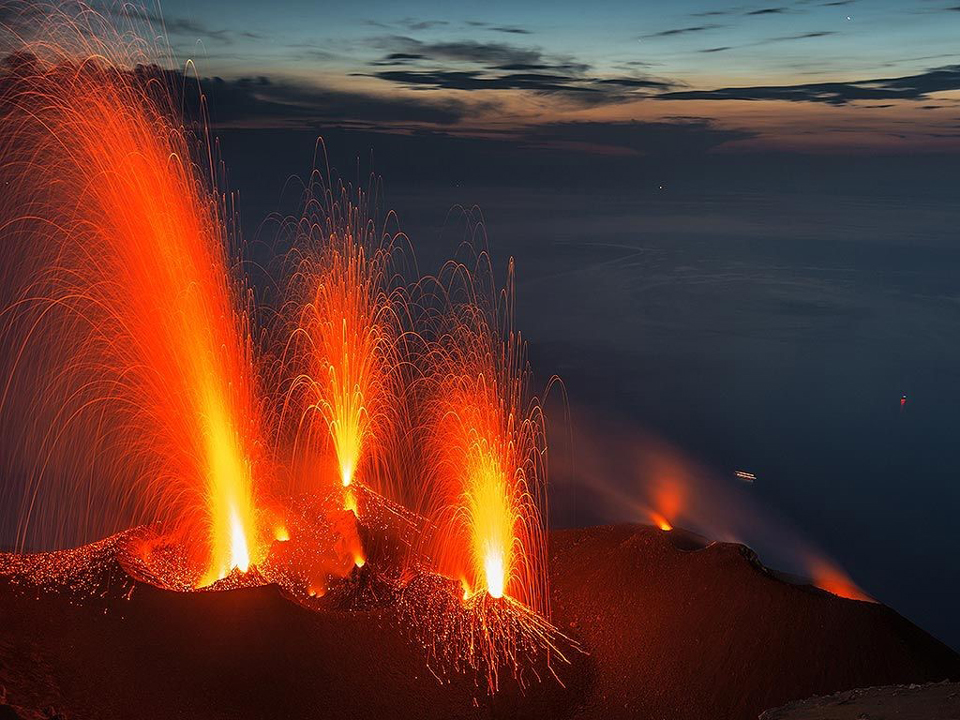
x=669, y=634
x=710, y=634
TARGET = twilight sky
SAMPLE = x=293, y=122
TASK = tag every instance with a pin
x=821, y=75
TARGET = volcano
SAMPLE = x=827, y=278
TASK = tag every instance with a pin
x=667, y=627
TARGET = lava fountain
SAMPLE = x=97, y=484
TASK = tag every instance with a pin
x=485, y=447
x=347, y=340
x=131, y=377
x=484, y=473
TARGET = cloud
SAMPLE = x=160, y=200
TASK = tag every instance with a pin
x=270, y=101
x=470, y=65
x=174, y=26
x=510, y=29
x=412, y=24
x=278, y=102
x=264, y=102
x=424, y=24
x=400, y=57
x=470, y=51
x=911, y=87
x=536, y=82
x=756, y=12
x=682, y=31
x=797, y=36
x=772, y=40
x=589, y=91
x=713, y=13
x=633, y=82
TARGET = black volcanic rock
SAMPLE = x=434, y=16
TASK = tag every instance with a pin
x=667, y=632
x=934, y=701
x=8, y=713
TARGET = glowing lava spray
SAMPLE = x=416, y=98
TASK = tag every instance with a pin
x=485, y=447
x=132, y=372
x=347, y=340
x=483, y=602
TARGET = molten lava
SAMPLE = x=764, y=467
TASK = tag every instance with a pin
x=133, y=351
x=660, y=521
x=346, y=343
x=493, y=572
x=485, y=453
x=132, y=391
x=476, y=455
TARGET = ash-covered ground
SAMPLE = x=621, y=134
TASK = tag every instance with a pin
x=667, y=628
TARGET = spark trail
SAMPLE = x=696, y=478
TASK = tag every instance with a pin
x=131, y=391
x=484, y=474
